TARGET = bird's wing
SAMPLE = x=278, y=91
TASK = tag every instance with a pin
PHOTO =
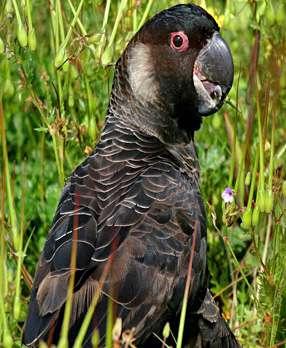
x=150, y=266
x=142, y=226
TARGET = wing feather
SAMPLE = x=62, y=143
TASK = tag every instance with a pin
x=136, y=206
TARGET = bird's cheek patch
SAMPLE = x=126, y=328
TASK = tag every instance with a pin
x=141, y=73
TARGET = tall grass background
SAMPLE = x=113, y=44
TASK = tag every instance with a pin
x=56, y=66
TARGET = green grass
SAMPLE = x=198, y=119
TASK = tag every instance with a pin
x=56, y=67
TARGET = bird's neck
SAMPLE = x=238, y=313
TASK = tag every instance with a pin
x=128, y=140
x=171, y=124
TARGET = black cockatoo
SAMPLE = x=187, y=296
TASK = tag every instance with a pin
x=132, y=210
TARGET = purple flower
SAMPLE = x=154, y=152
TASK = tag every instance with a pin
x=227, y=195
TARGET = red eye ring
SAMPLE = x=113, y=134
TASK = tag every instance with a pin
x=179, y=41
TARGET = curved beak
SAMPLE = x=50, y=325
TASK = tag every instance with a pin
x=213, y=75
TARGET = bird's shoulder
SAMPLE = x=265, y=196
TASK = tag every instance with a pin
x=126, y=180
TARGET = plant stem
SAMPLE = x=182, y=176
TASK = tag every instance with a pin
x=187, y=291
x=11, y=206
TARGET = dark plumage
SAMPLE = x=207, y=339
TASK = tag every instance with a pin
x=134, y=205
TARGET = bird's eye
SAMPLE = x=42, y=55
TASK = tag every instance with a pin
x=179, y=41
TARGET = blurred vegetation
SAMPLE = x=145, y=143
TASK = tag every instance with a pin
x=56, y=67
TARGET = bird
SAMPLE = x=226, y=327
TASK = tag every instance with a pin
x=130, y=226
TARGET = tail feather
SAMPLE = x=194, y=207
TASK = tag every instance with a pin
x=36, y=326
x=213, y=330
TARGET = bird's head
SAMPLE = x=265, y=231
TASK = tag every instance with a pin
x=177, y=68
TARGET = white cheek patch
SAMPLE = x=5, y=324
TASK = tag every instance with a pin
x=141, y=73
